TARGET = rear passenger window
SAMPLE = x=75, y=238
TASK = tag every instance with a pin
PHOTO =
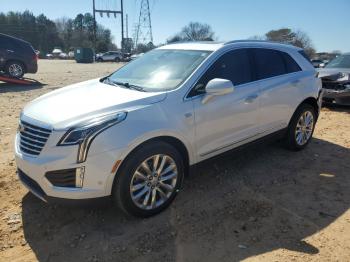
x=291, y=65
x=268, y=63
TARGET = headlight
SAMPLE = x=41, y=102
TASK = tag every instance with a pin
x=84, y=134
x=341, y=75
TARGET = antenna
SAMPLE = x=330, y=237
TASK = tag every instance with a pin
x=144, y=26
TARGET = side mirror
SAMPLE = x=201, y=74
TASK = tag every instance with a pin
x=217, y=87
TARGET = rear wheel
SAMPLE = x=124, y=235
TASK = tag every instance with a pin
x=149, y=180
x=14, y=69
x=301, y=127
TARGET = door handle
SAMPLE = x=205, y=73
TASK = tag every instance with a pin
x=251, y=98
x=10, y=51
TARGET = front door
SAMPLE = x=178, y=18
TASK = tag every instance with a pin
x=227, y=121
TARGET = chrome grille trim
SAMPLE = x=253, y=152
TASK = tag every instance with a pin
x=32, y=138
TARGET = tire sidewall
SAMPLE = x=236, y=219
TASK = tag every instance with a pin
x=121, y=189
x=291, y=140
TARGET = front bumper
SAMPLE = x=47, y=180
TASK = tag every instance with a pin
x=98, y=176
x=32, y=67
x=341, y=97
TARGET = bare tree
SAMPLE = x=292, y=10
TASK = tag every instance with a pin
x=194, y=31
x=297, y=38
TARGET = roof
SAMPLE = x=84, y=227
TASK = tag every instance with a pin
x=204, y=46
x=213, y=46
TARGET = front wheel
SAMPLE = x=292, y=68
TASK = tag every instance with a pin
x=301, y=127
x=149, y=180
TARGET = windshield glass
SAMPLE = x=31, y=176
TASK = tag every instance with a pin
x=160, y=70
x=342, y=61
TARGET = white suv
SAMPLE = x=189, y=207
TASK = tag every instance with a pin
x=134, y=134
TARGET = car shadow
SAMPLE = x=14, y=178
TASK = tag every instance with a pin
x=336, y=108
x=8, y=87
x=233, y=207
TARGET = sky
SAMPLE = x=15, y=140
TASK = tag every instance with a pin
x=325, y=21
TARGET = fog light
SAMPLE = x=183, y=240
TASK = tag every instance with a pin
x=79, y=176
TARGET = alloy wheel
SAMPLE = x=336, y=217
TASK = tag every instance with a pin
x=15, y=70
x=304, y=128
x=153, y=182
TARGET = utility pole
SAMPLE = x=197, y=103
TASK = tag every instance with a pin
x=127, y=25
x=93, y=6
x=144, y=28
x=108, y=12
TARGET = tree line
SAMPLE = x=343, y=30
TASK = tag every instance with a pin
x=66, y=33
x=195, y=31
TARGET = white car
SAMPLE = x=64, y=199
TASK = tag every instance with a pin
x=112, y=56
x=133, y=135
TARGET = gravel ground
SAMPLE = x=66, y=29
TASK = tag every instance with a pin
x=263, y=204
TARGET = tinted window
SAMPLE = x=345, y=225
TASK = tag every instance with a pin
x=234, y=66
x=268, y=63
x=5, y=42
x=291, y=65
x=302, y=52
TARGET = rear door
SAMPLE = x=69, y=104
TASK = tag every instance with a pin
x=278, y=76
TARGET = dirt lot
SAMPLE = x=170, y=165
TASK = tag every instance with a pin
x=263, y=204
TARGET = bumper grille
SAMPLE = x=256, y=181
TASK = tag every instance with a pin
x=32, y=138
x=62, y=178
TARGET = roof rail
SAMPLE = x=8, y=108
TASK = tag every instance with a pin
x=247, y=40
x=256, y=41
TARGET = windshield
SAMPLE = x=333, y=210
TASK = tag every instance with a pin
x=342, y=61
x=160, y=70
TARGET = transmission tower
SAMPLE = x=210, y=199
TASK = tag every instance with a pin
x=144, y=27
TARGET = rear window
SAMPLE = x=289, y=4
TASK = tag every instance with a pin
x=302, y=52
x=291, y=65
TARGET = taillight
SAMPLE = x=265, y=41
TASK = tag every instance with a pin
x=36, y=57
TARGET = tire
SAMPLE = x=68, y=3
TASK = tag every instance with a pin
x=133, y=202
x=15, y=69
x=117, y=59
x=299, y=133
x=99, y=60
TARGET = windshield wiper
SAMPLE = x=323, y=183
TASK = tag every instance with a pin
x=124, y=84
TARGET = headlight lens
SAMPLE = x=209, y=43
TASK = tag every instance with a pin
x=85, y=133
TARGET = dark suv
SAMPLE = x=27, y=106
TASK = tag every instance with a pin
x=17, y=57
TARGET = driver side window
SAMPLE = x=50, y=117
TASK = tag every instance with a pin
x=234, y=65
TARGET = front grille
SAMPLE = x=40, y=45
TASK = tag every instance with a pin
x=332, y=85
x=32, y=138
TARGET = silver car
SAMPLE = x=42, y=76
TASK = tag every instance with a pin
x=112, y=56
x=336, y=80
x=134, y=134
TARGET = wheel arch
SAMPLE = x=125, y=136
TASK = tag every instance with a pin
x=171, y=140
x=309, y=101
x=312, y=102
x=18, y=61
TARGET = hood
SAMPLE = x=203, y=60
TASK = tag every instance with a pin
x=73, y=103
x=333, y=74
